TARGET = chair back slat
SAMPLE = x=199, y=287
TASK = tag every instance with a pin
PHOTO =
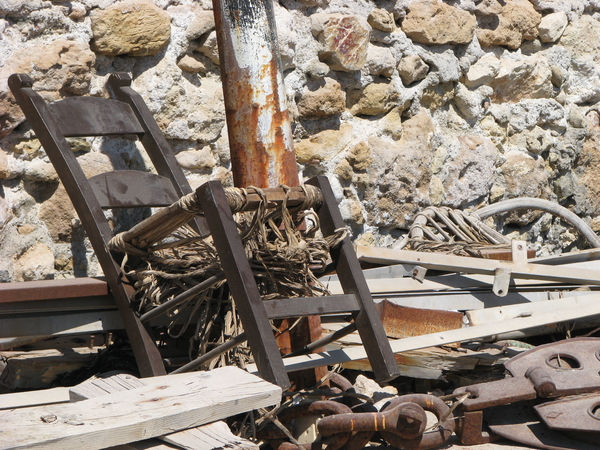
x=94, y=116
x=132, y=188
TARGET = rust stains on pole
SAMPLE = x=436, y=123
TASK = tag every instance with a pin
x=258, y=122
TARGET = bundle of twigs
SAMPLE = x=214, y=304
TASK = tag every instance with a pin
x=285, y=262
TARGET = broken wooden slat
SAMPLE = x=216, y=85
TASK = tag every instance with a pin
x=451, y=263
x=214, y=435
x=447, y=337
x=430, y=363
x=98, y=386
x=147, y=412
x=147, y=444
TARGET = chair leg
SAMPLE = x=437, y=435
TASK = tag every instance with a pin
x=147, y=355
x=367, y=320
x=242, y=284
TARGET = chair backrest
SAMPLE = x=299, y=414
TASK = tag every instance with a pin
x=93, y=116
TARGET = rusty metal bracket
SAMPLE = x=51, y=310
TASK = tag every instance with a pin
x=581, y=413
x=567, y=369
x=564, y=368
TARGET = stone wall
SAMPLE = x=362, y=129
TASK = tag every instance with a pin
x=402, y=104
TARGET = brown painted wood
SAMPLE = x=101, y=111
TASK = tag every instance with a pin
x=48, y=131
x=353, y=281
x=131, y=188
x=52, y=289
x=242, y=284
x=94, y=116
x=58, y=304
x=309, y=306
x=154, y=141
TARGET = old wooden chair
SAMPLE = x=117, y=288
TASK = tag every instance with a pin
x=88, y=116
x=93, y=116
x=255, y=312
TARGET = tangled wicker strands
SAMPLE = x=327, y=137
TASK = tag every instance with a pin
x=284, y=261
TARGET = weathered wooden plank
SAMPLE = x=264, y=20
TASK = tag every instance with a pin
x=447, y=337
x=452, y=292
x=454, y=282
x=56, y=323
x=34, y=398
x=452, y=263
x=146, y=444
x=124, y=417
x=431, y=363
x=506, y=312
x=212, y=436
x=215, y=435
x=591, y=255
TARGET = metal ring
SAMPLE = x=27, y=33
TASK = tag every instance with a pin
x=430, y=439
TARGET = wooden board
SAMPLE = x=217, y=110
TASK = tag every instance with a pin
x=506, y=312
x=446, y=337
x=124, y=417
x=452, y=263
x=147, y=444
x=33, y=398
x=432, y=363
x=52, y=289
x=57, y=323
x=214, y=435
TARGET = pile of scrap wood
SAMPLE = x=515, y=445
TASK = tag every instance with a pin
x=493, y=300
x=457, y=325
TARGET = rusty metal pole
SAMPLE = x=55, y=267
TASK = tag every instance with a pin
x=258, y=124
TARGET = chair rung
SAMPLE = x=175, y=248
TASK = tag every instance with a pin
x=311, y=306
